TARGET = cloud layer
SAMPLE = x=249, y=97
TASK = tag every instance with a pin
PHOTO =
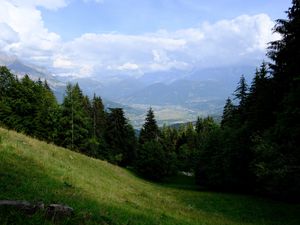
x=241, y=40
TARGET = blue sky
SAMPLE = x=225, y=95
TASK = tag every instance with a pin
x=101, y=37
x=142, y=16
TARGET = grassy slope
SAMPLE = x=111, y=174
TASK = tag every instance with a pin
x=102, y=193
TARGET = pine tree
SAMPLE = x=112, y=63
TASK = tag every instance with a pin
x=74, y=131
x=241, y=92
x=286, y=52
x=120, y=138
x=46, y=120
x=98, y=117
x=9, y=91
x=277, y=153
x=260, y=101
x=228, y=113
x=150, y=130
x=199, y=125
x=96, y=144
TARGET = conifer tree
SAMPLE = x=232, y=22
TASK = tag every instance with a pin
x=277, y=160
x=46, y=119
x=9, y=92
x=152, y=159
x=260, y=101
x=241, y=92
x=150, y=130
x=74, y=131
x=98, y=116
x=120, y=138
x=228, y=113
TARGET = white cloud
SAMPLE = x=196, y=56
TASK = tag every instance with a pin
x=7, y=36
x=29, y=39
x=117, y=51
x=128, y=66
x=62, y=62
x=240, y=40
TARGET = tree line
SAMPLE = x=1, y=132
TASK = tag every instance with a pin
x=83, y=125
x=255, y=149
x=79, y=123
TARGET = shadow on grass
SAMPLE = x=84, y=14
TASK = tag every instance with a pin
x=179, y=181
x=242, y=209
x=238, y=208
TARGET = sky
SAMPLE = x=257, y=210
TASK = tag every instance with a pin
x=95, y=37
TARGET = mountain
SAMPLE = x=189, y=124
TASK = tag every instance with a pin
x=34, y=72
x=112, y=89
x=177, y=96
x=181, y=92
x=193, y=92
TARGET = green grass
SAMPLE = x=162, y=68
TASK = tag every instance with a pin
x=101, y=193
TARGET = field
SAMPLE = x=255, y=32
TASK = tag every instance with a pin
x=101, y=193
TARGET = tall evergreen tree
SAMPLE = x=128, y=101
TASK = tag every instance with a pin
x=228, y=113
x=260, y=101
x=74, y=122
x=153, y=160
x=46, y=120
x=96, y=143
x=98, y=117
x=9, y=94
x=241, y=92
x=281, y=176
x=150, y=130
x=286, y=52
x=120, y=138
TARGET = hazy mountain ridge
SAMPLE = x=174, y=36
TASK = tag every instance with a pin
x=21, y=69
x=176, y=96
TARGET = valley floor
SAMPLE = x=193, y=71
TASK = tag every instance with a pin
x=101, y=193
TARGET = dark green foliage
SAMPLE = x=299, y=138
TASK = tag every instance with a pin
x=77, y=124
x=168, y=140
x=274, y=171
x=149, y=131
x=8, y=88
x=75, y=121
x=241, y=92
x=151, y=162
x=210, y=168
x=120, y=138
x=228, y=113
x=95, y=145
x=156, y=157
x=98, y=116
x=187, y=147
x=27, y=106
x=46, y=119
x=260, y=102
x=257, y=149
x=277, y=157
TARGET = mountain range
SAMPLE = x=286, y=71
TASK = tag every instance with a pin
x=176, y=96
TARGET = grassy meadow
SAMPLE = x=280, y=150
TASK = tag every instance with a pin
x=101, y=193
